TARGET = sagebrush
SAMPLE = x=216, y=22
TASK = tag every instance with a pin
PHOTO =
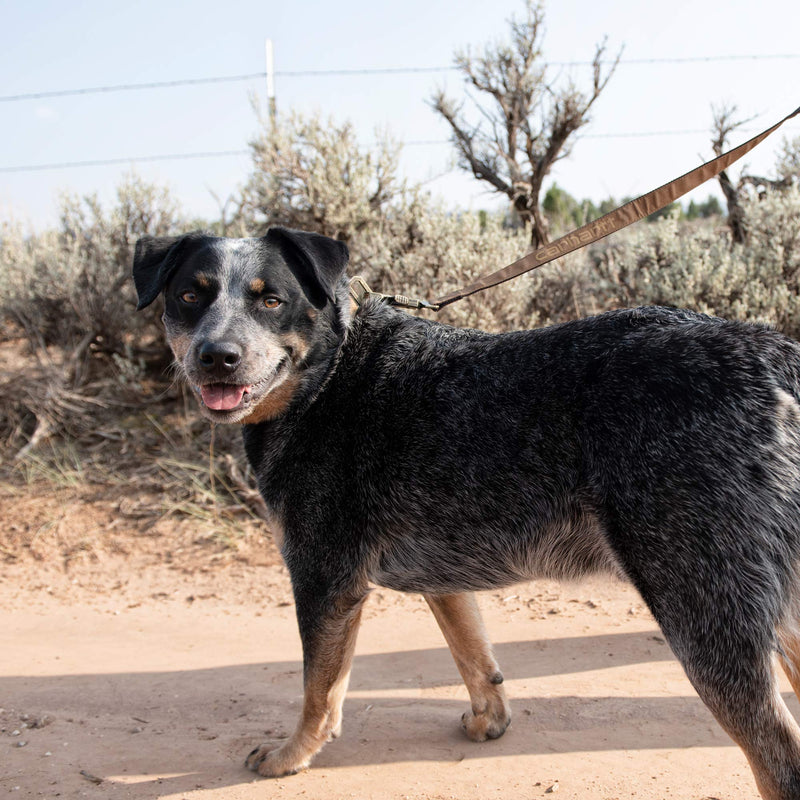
x=66, y=292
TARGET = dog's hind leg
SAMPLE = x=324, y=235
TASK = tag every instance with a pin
x=724, y=639
x=755, y=716
x=460, y=620
x=329, y=639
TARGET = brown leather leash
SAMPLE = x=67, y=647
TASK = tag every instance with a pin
x=613, y=221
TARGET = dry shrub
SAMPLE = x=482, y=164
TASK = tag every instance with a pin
x=450, y=250
x=787, y=166
x=312, y=174
x=71, y=285
x=67, y=294
x=670, y=263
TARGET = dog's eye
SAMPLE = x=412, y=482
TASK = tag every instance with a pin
x=188, y=297
x=271, y=301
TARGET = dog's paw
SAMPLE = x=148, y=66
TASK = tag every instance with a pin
x=271, y=762
x=485, y=725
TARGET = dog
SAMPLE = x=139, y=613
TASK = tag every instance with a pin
x=658, y=445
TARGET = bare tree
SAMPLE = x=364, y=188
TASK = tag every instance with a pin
x=525, y=121
x=722, y=128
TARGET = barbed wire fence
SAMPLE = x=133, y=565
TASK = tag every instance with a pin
x=396, y=71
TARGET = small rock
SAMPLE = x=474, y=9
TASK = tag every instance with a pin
x=551, y=789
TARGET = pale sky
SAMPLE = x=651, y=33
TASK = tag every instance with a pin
x=699, y=52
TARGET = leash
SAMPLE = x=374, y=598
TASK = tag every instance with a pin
x=609, y=223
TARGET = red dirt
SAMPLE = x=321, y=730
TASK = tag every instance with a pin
x=145, y=659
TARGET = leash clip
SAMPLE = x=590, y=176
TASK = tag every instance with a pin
x=360, y=293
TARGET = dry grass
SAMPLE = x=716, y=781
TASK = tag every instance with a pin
x=163, y=461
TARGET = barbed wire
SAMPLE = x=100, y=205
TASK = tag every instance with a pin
x=105, y=162
x=126, y=87
x=331, y=72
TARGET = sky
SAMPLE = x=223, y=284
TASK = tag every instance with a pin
x=651, y=123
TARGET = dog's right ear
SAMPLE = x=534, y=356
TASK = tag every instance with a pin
x=153, y=262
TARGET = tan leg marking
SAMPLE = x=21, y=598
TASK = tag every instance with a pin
x=790, y=658
x=325, y=684
x=774, y=752
x=761, y=724
x=460, y=620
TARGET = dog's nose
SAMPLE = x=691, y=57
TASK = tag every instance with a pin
x=219, y=356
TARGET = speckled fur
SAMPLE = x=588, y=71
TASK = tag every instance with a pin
x=659, y=445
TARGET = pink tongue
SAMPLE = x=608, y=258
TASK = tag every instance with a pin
x=222, y=396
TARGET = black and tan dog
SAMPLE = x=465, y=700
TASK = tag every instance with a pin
x=658, y=445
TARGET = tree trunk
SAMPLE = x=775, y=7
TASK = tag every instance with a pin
x=540, y=228
x=531, y=215
x=736, y=220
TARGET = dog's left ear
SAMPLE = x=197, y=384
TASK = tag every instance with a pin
x=318, y=262
x=154, y=261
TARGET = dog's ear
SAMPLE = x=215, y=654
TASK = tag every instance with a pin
x=317, y=262
x=154, y=260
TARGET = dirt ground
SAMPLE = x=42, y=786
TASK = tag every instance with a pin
x=146, y=660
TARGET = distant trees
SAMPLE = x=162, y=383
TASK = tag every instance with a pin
x=711, y=207
x=565, y=213
x=525, y=121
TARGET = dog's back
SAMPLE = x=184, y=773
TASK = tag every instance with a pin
x=500, y=457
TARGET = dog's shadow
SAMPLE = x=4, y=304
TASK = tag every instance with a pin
x=184, y=730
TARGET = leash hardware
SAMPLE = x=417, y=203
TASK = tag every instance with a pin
x=360, y=292
x=401, y=301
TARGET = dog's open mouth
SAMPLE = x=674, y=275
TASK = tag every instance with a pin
x=228, y=401
x=225, y=396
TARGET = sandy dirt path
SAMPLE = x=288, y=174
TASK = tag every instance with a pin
x=140, y=683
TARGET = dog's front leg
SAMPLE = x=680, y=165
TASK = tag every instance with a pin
x=329, y=639
x=460, y=620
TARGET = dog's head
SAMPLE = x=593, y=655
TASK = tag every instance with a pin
x=247, y=319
